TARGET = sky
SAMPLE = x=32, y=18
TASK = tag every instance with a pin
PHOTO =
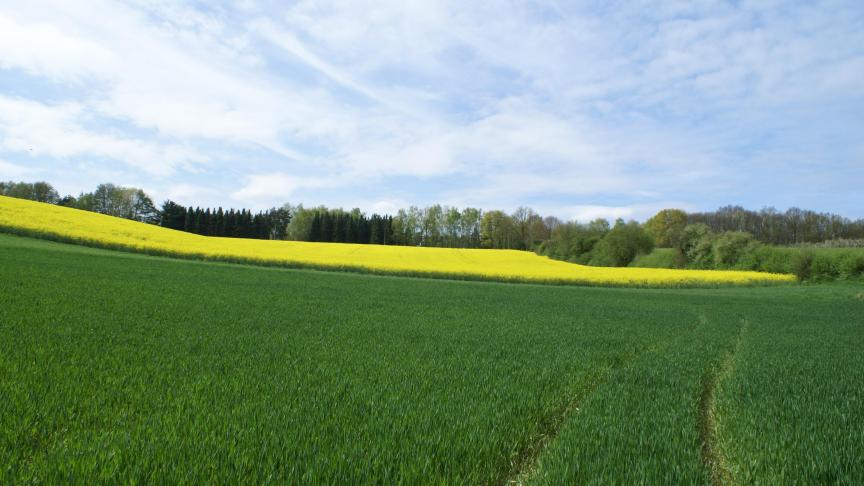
x=578, y=109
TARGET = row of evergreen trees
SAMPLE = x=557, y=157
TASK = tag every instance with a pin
x=264, y=225
x=338, y=226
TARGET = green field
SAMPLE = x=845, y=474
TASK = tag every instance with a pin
x=123, y=368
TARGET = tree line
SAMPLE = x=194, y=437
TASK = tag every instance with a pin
x=133, y=203
x=123, y=202
x=598, y=242
x=263, y=225
x=793, y=226
x=338, y=226
x=436, y=225
x=698, y=245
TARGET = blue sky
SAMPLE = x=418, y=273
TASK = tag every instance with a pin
x=577, y=109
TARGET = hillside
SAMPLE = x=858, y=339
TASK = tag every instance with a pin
x=70, y=225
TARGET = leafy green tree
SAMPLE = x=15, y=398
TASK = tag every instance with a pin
x=122, y=202
x=497, y=230
x=68, y=201
x=470, y=227
x=280, y=219
x=300, y=228
x=431, y=221
x=623, y=243
x=574, y=242
x=731, y=247
x=696, y=246
x=34, y=191
x=406, y=226
x=143, y=209
x=452, y=227
x=666, y=227
x=530, y=228
x=400, y=229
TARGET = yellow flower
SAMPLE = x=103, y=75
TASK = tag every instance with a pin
x=83, y=227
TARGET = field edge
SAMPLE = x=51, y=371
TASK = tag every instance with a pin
x=93, y=243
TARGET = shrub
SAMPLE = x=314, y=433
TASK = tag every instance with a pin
x=697, y=245
x=621, y=245
x=599, y=259
x=659, y=258
x=802, y=265
x=851, y=265
x=825, y=267
x=731, y=247
x=771, y=259
x=574, y=242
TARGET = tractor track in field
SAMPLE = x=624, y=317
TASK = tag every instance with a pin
x=525, y=465
x=712, y=456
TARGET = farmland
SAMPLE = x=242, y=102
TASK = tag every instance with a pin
x=121, y=367
x=64, y=224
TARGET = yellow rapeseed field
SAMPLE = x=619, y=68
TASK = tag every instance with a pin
x=72, y=225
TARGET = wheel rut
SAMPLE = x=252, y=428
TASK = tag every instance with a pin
x=712, y=456
x=525, y=465
x=522, y=468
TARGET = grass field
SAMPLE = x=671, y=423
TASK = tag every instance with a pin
x=117, y=367
x=64, y=224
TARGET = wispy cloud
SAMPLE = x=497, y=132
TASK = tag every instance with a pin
x=57, y=131
x=260, y=188
x=9, y=170
x=574, y=107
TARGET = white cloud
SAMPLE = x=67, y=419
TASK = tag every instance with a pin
x=56, y=131
x=286, y=40
x=43, y=49
x=158, y=79
x=515, y=102
x=190, y=194
x=389, y=206
x=277, y=187
x=589, y=213
x=9, y=170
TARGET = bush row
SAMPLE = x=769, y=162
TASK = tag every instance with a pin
x=699, y=247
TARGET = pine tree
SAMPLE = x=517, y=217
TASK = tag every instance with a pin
x=219, y=222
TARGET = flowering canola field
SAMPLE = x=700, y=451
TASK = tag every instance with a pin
x=87, y=228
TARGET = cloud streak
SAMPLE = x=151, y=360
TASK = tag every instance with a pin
x=569, y=106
